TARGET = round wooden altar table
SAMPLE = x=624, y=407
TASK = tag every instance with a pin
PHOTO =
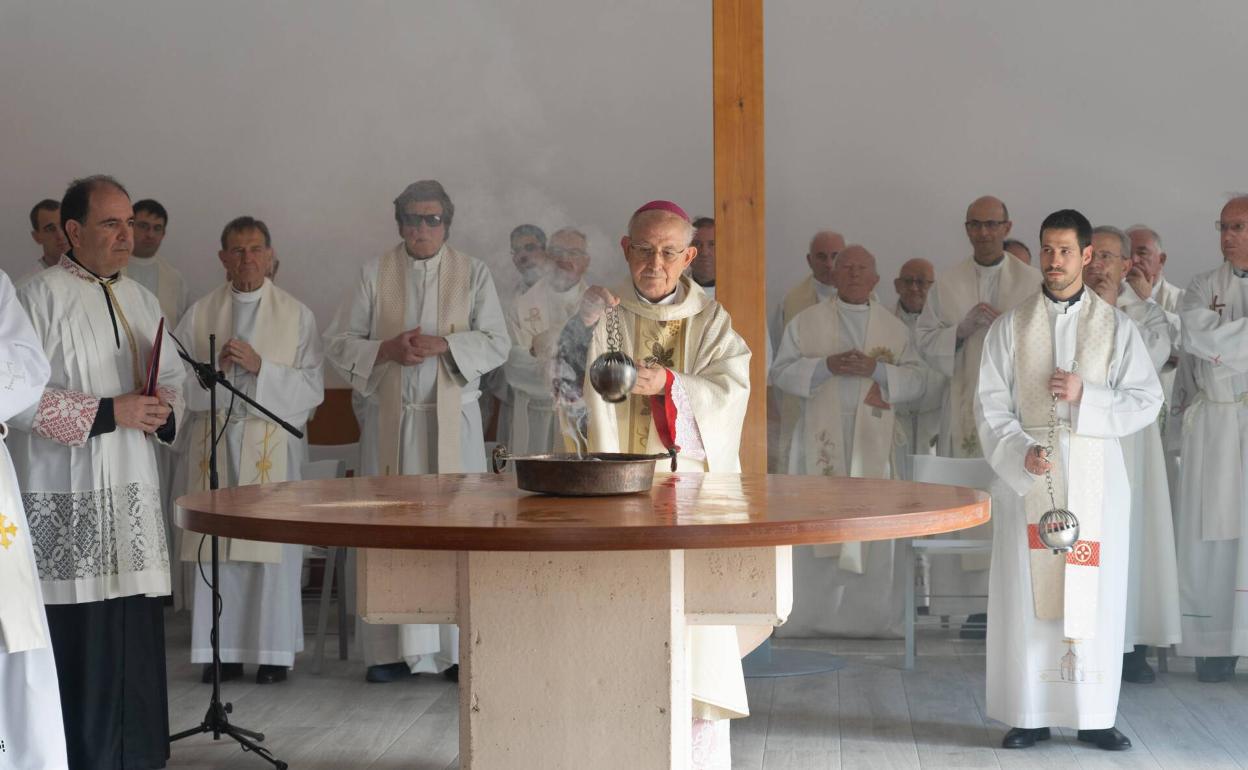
x=574, y=612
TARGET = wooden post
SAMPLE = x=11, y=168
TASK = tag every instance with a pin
x=740, y=233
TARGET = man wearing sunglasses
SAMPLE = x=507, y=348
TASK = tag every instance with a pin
x=421, y=327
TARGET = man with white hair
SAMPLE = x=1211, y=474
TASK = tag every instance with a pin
x=1213, y=504
x=693, y=384
x=1145, y=280
x=1152, y=574
x=920, y=419
x=535, y=321
x=816, y=287
x=849, y=361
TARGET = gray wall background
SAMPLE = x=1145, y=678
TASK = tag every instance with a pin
x=885, y=118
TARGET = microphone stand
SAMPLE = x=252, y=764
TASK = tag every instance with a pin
x=215, y=720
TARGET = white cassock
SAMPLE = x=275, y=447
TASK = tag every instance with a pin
x=38, y=267
x=1002, y=285
x=807, y=292
x=535, y=321
x=1213, y=560
x=1152, y=577
x=920, y=419
x=262, y=609
x=855, y=589
x=477, y=346
x=1036, y=677
x=30, y=701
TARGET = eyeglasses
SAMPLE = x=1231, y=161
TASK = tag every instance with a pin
x=1233, y=227
x=413, y=220
x=1103, y=256
x=528, y=248
x=990, y=224
x=558, y=253
x=915, y=283
x=647, y=252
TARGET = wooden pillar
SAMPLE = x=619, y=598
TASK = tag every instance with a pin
x=740, y=233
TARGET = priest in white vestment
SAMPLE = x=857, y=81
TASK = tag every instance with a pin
x=814, y=288
x=1063, y=364
x=30, y=702
x=413, y=338
x=536, y=320
x=268, y=346
x=45, y=230
x=919, y=419
x=1152, y=574
x=86, y=463
x=1213, y=506
x=965, y=301
x=849, y=361
x=692, y=388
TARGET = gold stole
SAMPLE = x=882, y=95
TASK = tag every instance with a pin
x=21, y=612
x=819, y=335
x=798, y=299
x=454, y=282
x=1064, y=585
x=263, y=451
x=959, y=292
x=655, y=344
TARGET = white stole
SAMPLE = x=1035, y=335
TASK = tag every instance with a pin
x=454, y=282
x=263, y=450
x=819, y=335
x=1064, y=585
x=22, y=624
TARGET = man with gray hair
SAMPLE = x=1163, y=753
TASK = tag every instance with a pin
x=414, y=338
x=1145, y=281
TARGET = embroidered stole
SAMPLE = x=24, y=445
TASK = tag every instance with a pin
x=959, y=292
x=654, y=344
x=263, y=451
x=454, y=303
x=1064, y=585
x=819, y=335
x=21, y=613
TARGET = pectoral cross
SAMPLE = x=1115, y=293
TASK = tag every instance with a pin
x=1216, y=306
x=10, y=375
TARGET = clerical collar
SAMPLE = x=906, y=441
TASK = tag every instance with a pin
x=1068, y=302
x=427, y=260
x=84, y=272
x=671, y=299
x=247, y=297
x=851, y=307
x=1239, y=273
x=1000, y=259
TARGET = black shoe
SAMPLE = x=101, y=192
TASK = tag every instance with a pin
x=388, y=672
x=1109, y=739
x=229, y=671
x=270, y=674
x=975, y=627
x=1215, y=669
x=452, y=673
x=1135, y=667
x=1025, y=737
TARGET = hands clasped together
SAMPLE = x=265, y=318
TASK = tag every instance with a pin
x=979, y=317
x=412, y=347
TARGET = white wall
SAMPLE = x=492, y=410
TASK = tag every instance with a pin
x=885, y=118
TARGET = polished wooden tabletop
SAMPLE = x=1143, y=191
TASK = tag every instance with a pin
x=485, y=512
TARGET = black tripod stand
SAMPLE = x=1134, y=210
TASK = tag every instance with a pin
x=215, y=720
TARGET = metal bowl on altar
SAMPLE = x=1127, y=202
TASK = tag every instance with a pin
x=593, y=474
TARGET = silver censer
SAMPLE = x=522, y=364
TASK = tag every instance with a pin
x=613, y=374
x=1058, y=527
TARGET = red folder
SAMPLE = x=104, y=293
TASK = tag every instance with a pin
x=153, y=365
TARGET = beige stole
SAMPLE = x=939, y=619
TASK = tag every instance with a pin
x=454, y=282
x=798, y=299
x=1064, y=585
x=263, y=447
x=655, y=344
x=166, y=290
x=819, y=335
x=959, y=292
x=21, y=613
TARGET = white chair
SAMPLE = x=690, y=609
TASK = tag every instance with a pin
x=349, y=454
x=330, y=469
x=973, y=473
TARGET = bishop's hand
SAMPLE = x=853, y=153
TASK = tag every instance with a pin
x=650, y=381
x=594, y=302
x=1037, y=461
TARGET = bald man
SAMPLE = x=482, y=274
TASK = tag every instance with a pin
x=848, y=361
x=814, y=288
x=1018, y=249
x=919, y=420
x=951, y=329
